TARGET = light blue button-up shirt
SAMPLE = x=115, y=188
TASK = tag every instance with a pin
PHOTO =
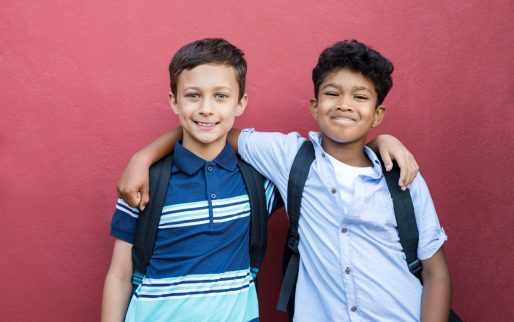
x=352, y=267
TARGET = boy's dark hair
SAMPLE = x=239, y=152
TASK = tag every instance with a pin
x=208, y=51
x=359, y=58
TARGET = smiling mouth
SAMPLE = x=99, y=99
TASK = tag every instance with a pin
x=206, y=125
x=343, y=119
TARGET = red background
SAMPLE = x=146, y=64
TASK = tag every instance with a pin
x=84, y=85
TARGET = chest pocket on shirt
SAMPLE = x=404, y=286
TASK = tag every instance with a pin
x=379, y=215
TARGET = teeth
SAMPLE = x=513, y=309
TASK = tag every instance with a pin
x=206, y=124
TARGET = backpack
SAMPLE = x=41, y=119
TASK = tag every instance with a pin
x=403, y=211
x=148, y=221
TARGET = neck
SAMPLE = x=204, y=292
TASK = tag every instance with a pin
x=348, y=153
x=207, y=151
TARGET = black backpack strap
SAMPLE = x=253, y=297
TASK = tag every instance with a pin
x=148, y=220
x=254, y=182
x=405, y=219
x=297, y=178
x=407, y=228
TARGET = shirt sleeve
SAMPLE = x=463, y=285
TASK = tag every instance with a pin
x=431, y=234
x=124, y=221
x=270, y=153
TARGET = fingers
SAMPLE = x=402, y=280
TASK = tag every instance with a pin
x=388, y=163
x=408, y=170
x=145, y=197
x=132, y=198
x=403, y=179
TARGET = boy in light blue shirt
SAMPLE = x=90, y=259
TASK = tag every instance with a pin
x=352, y=267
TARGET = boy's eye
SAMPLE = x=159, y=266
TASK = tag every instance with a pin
x=193, y=95
x=361, y=97
x=331, y=94
x=221, y=96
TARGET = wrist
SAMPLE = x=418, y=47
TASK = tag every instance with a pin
x=381, y=137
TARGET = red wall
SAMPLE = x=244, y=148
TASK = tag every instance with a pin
x=84, y=84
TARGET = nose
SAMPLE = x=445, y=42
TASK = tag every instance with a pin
x=344, y=103
x=344, y=107
x=206, y=107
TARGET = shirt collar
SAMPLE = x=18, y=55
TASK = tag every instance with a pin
x=377, y=166
x=315, y=137
x=189, y=162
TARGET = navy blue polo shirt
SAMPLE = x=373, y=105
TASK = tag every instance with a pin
x=201, y=256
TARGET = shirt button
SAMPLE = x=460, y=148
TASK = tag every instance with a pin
x=209, y=169
x=347, y=270
x=333, y=190
x=213, y=196
x=344, y=230
x=323, y=154
x=354, y=308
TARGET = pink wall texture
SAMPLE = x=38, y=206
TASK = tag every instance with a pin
x=84, y=85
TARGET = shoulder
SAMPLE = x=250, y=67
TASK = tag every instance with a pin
x=419, y=188
x=124, y=220
x=250, y=135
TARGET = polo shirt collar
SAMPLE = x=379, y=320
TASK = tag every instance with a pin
x=188, y=162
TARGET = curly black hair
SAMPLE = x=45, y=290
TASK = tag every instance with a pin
x=359, y=58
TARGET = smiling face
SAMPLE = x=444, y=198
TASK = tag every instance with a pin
x=207, y=104
x=345, y=109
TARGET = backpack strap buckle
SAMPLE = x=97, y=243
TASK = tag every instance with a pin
x=415, y=266
x=292, y=243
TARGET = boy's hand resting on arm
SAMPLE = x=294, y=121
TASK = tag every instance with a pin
x=133, y=186
x=390, y=148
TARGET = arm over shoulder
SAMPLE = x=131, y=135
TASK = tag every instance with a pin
x=270, y=153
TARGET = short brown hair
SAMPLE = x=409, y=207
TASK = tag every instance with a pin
x=208, y=51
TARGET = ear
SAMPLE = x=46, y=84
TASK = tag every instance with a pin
x=314, y=108
x=173, y=102
x=241, y=105
x=379, y=115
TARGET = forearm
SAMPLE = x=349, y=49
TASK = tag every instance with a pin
x=137, y=169
x=158, y=149
x=435, y=304
x=116, y=298
x=233, y=138
x=380, y=141
x=118, y=283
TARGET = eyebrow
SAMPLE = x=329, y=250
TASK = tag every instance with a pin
x=357, y=88
x=215, y=88
x=223, y=87
x=363, y=88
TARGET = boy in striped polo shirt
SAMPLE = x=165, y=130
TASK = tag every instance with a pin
x=200, y=268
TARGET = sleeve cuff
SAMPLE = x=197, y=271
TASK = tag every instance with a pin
x=435, y=244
